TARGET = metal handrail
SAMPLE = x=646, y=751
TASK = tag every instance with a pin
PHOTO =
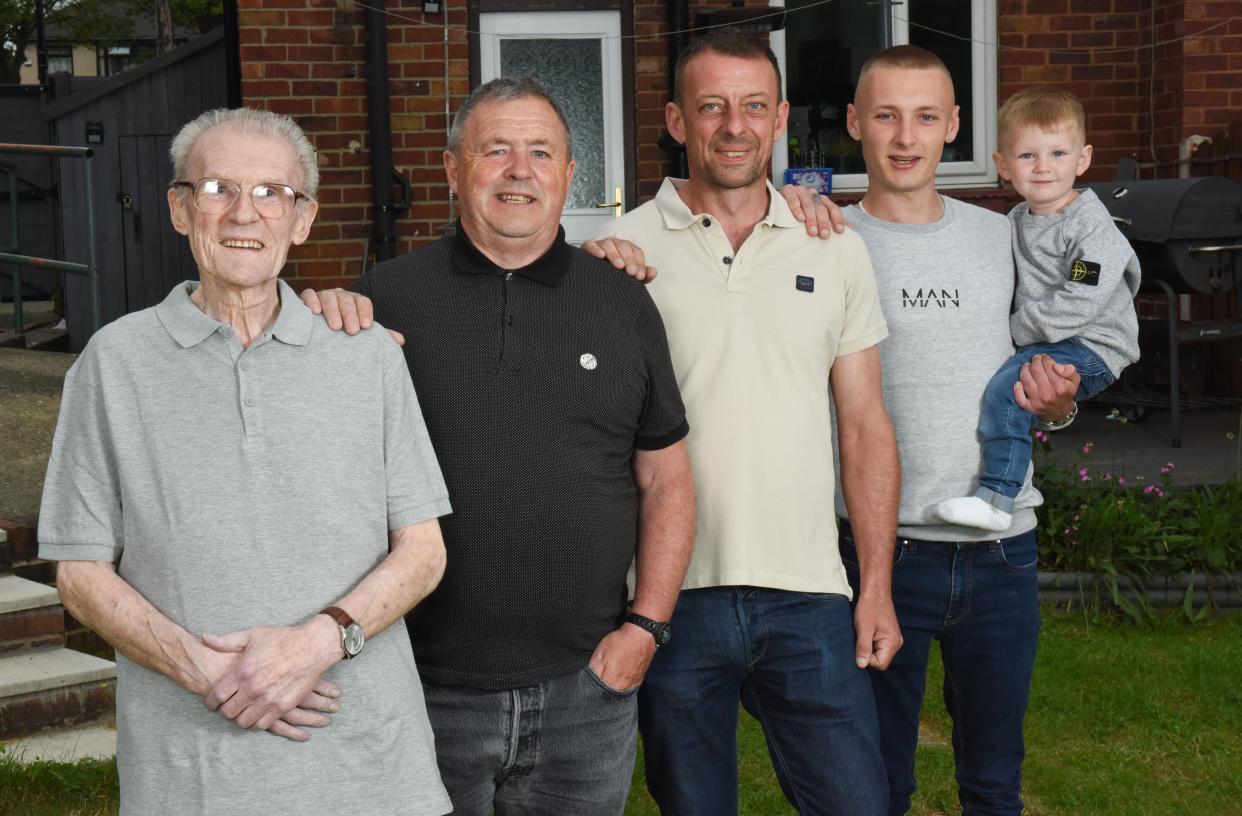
x=89, y=269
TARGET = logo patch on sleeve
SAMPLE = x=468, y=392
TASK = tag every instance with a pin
x=805, y=283
x=1085, y=272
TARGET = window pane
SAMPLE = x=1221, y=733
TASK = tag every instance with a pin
x=824, y=48
x=951, y=42
x=572, y=71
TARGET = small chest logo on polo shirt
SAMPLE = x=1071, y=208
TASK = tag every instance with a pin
x=804, y=283
x=588, y=361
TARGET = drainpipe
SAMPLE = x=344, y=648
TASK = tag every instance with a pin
x=678, y=23
x=380, y=136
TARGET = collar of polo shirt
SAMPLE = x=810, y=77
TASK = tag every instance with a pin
x=547, y=269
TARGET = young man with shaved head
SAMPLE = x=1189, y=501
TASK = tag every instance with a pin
x=945, y=276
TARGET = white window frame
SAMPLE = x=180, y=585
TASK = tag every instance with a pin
x=979, y=172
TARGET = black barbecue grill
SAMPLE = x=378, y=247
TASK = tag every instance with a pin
x=1187, y=234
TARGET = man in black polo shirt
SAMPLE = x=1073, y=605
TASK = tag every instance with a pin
x=545, y=380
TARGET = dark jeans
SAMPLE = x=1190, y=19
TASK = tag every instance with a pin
x=789, y=658
x=1006, y=429
x=980, y=600
x=565, y=746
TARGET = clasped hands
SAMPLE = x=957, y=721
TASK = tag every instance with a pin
x=270, y=678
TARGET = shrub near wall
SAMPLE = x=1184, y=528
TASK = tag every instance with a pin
x=1130, y=541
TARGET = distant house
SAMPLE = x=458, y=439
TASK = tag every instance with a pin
x=100, y=57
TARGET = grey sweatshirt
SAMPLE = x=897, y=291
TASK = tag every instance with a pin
x=1077, y=277
x=945, y=290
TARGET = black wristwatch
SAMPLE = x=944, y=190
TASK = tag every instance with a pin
x=662, y=632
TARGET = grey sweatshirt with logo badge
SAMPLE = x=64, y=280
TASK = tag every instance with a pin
x=1077, y=277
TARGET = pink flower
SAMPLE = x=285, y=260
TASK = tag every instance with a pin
x=1086, y=449
x=1121, y=480
x=1108, y=477
x=1167, y=468
x=1086, y=478
x=1041, y=436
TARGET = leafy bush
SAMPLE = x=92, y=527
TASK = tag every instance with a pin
x=1128, y=530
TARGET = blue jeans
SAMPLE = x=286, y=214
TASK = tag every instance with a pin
x=789, y=658
x=1006, y=428
x=565, y=746
x=980, y=600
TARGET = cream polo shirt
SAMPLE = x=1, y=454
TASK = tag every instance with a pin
x=753, y=335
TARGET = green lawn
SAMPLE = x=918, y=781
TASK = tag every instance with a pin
x=1123, y=720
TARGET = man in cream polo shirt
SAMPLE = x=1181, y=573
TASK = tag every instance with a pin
x=762, y=321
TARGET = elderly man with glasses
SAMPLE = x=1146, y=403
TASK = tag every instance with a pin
x=241, y=500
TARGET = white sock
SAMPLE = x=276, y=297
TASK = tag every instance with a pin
x=972, y=511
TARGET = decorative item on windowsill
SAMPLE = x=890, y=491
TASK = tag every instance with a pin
x=818, y=179
x=844, y=156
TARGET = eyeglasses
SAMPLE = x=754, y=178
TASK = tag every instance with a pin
x=217, y=196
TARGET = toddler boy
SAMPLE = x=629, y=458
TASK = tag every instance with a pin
x=1077, y=277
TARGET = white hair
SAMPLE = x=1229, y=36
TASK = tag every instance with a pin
x=250, y=121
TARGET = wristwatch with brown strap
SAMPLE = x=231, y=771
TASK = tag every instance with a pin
x=352, y=636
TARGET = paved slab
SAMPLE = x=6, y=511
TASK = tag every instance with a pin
x=97, y=740
x=1211, y=451
x=18, y=594
x=29, y=672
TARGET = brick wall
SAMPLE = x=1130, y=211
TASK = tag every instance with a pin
x=1105, y=50
x=307, y=58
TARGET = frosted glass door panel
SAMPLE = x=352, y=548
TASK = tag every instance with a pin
x=576, y=55
x=572, y=72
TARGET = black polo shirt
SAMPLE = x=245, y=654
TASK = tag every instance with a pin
x=537, y=385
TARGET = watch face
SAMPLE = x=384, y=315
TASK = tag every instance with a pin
x=664, y=635
x=354, y=638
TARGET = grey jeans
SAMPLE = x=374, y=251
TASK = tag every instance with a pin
x=565, y=746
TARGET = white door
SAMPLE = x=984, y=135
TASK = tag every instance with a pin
x=576, y=55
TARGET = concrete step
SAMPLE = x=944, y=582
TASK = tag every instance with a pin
x=30, y=615
x=19, y=595
x=49, y=688
x=95, y=739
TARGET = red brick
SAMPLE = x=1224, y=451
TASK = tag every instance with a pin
x=1059, y=40
x=1113, y=22
x=31, y=624
x=261, y=19
x=295, y=36
x=1069, y=57
x=1071, y=22
x=267, y=88
x=317, y=18
x=1024, y=24
x=1093, y=39
x=1025, y=57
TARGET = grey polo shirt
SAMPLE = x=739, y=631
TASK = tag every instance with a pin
x=249, y=487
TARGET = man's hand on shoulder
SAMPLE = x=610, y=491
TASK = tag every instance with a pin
x=879, y=635
x=278, y=670
x=821, y=216
x=622, y=657
x=1046, y=388
x=624, y=255
x=343, y=309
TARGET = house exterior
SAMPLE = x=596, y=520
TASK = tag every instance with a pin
x=1147, y=80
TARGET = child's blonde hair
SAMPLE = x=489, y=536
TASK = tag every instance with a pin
x=1049, y=109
